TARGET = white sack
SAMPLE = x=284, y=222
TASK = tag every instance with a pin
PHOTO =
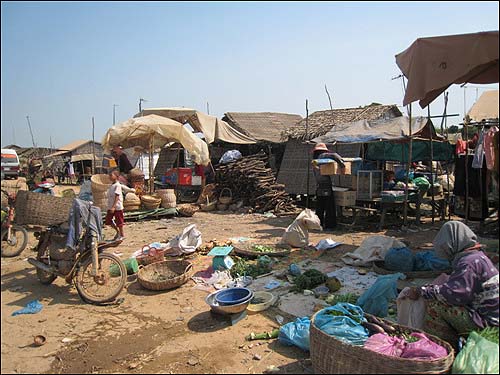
x=371, y=249
x=297, y=233
x=185, y=243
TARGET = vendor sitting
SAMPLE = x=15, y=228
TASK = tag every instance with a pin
x=467, y=300
x=389, y=180
x=121, y=158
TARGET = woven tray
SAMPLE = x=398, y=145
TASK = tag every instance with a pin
x=378, y=267
x=246, y=251
x=332, y=356
x=41, y=209
x=181, y=268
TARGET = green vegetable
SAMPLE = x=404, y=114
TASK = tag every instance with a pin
x=336, y=298
x=243, y=267
x=263, y=248
x=490, y=333
x=309, y=280
x=263, y=336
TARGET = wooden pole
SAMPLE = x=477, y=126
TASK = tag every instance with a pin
x=432, y=161
x=405, y=219
x=466, y=136
x=93, y=146
x=151, y=173
x=308, y=155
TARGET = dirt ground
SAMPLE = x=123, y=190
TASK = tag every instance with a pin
x=159, y=332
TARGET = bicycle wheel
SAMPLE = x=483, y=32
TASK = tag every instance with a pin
x=16, y=243
x=107, y=284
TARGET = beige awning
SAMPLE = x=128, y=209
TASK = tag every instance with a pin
x=486, y=107
x=433, y=64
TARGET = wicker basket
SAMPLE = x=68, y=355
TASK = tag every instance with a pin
x=209, y=206
x=152, y=256
x=246, y=250
x=181, y=268
x=187, y=209
x=100, y=183
x=222, y=206
x=41, y=209
x=332, y=356
x=151, y=202
x=226, y=199
x=378, y=267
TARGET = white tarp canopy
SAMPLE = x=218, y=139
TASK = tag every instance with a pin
x=362, y=131
x=212, y=128
x=140, y=131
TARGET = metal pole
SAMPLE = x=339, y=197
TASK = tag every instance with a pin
x=208, y=109
x=308, y=155
x=114, y=106
x=31, y=132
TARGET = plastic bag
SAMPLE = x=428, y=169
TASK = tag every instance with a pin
x=428, y=261
x=399, y=259
x=424, y=349
x=411, y=313
x=185, y=243
x=375, y=300
x=296, y=333
x=297, y=233
x=345, y=327
x=230, y=156
x=478, y=356
x=32, y=307
x=422, y=183
x=384, y=344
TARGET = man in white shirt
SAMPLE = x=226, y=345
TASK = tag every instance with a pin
x=114, y=216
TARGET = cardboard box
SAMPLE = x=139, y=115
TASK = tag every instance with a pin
x=348, y=181
x=345, y=198
x=330, y=169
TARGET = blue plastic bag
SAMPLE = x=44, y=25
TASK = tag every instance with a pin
x=230, y=156
x=32, y=307
x=428, y=261
x=375, y=300
x=399, y=259
x=296, y=333
x=346, y=328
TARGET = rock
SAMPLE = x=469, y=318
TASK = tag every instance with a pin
x=271, y=369
x=193, y=361
x=133, y=365
x=180, y=318
x=257, y=357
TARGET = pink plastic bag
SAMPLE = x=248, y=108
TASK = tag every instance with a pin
x=385, y=344
x=423, y=349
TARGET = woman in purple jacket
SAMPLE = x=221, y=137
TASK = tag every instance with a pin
x=468, y=299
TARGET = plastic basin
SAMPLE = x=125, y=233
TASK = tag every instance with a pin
x=225, y=310
x=233, y=296
x=267, y=300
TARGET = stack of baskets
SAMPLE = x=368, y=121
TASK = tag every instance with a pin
x=151, y=201
x=132, y=202
x=165, y=275
x=136, y=179
x=100, y=184
x=168, y=198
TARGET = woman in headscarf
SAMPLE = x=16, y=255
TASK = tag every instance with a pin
x=468, y=299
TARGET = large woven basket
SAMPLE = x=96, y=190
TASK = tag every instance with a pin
x=151, y=202
x=378, y=267
x=332, y=356
x=41, y=209
x=187, y=209
x=100, y=183
x=177, y=272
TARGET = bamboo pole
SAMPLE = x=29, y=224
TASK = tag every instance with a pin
x=432, y=162
x=308, y=155
x=405, y=219
x=93, y=146
x=466, y=136
x=151, y=173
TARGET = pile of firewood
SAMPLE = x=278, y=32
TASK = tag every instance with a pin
x=252, y=182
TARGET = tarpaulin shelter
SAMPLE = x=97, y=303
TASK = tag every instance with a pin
x=153, y=132
x=395, y=134
x=212, y=128
x=433, y=64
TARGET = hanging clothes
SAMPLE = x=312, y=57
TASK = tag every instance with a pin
x=477, y=161
x=460, y=147
x=489, y=148
x=476, y=178
x=71, y=170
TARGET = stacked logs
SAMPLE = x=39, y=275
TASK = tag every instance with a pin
x=252, y=182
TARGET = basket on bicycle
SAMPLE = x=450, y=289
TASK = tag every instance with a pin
x=165, y=275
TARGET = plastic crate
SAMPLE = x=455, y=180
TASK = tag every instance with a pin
x=185, y=176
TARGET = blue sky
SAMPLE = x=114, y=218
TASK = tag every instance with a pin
x=64, y=62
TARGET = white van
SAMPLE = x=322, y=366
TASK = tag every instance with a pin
x=10, y=163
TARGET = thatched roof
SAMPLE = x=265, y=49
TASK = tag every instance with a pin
x=321, y=122
x=263, y=126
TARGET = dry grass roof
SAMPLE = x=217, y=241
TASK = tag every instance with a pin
x=321, y=122
x=263, y=126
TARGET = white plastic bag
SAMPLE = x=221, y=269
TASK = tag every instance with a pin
x=297, y=233
x=185, y=243
x=411, y=313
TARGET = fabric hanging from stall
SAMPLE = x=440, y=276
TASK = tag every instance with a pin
x=476, y=178
x=489, y=148
x=477, y=161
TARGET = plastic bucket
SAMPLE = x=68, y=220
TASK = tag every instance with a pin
x=233, y=296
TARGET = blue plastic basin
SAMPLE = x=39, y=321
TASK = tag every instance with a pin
x=233, y=296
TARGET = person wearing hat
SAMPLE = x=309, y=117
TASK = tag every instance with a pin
x=325, y=202
x=122, y=161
